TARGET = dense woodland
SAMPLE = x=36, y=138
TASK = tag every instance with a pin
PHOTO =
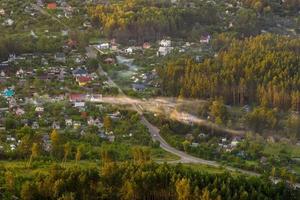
x=139, y=180
x=151, y=20
x=144, y=20
x=286, y=7
x=263, y=69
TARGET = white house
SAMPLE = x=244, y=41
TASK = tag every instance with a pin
x=234, y=143
x=69, y=122
x=20, y=73
x=96, y=98
x=2, y=11
x=103, y=46
x=12, y=147
x=129, y=50
x=55, y=125
x=165, y=43
x=39, y=109
x=76, y=125
x=163, y=51
x=79, y=104
x=91, y=121
x=8, y=22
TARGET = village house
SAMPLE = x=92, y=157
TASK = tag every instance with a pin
x=71, y=44
x=103, y=46
x=40, y=3
x=8, y=22
x=163, y=51
x=79, y=72
x=87, y=24
x=129, y=50
x=46, y=142
x=77, y=98
x=146, y=45
x=111, y=138
x=8, y=93
x=12, y=102
x=4, y=66
x=94, y=122
x=39, y=109
x=35, y=125
x=9, y=138
x=20, y=73
x=205, y=39
x=76, y=125
x=19, y=112
x=234, y=142
x=96, y=98
x=115, y=115
x=83, y=80
x=102, y=135
x=68, y=122
x=165, y=43
x=60, y=57
x=55, y=125
x=12, y=147
x=79, y=104
x=2, y=11
x=138, y=87
x=52, y=6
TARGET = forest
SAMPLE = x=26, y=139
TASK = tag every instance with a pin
x=141, y=21
x=282, y=7
x=140, y=179
x=151, y=20
x=263, y=70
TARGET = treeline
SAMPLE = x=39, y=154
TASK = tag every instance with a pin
x=25, y=44
x=138, y=181
x=277, y=6
x=142, y=20
x=263, y=70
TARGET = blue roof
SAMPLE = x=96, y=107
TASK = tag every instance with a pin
x=79, y=71
x=9, y=92
x=139, y=86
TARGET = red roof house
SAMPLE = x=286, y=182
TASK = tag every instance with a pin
x=52, y=6
x=83, y=80
x=77, y=97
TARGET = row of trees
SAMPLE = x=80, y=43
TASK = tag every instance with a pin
x=25, y=44
x=263, y=69
x=287, y=6
x=139, y=181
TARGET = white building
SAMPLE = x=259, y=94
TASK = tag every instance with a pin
x=39, y=109
x=165, y=43
x=69, y=122
x=129, y=50
x=163, y=51
x=2, y=11
x=79, y=104
x=103, y=46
